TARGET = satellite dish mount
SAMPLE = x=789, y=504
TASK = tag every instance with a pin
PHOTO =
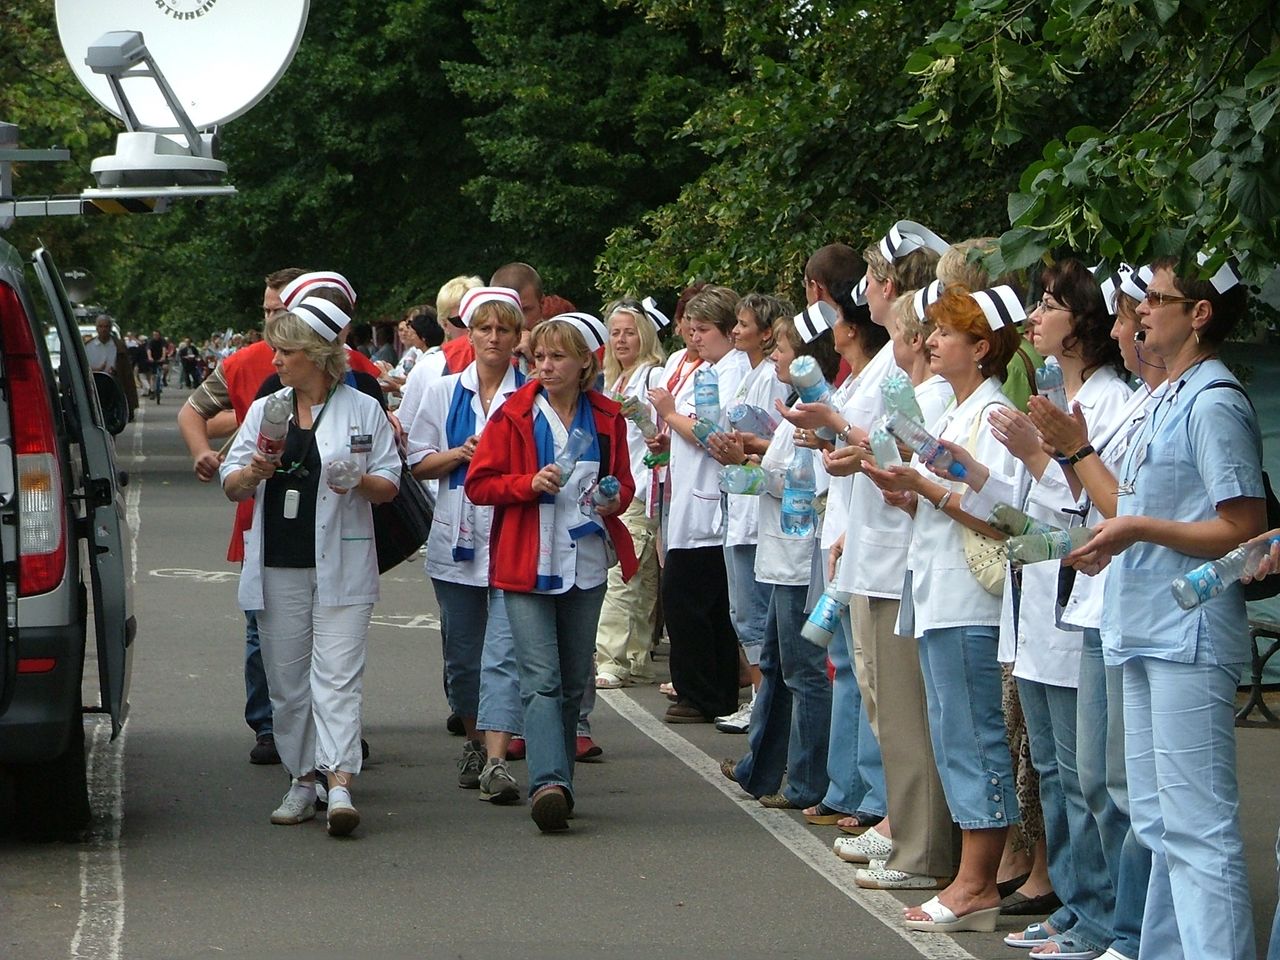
x=148, y=156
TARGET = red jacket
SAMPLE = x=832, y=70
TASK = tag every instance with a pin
x=244, y=371
x=501, y=474
x=458, y=354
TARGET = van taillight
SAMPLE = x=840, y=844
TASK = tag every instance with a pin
x=41, y=511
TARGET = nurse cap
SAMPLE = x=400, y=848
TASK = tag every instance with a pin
x=814, y=320
x=1001, y=306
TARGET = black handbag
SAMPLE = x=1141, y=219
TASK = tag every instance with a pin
x=401, y=526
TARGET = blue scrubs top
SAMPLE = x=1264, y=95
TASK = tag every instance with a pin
x=1198, y=448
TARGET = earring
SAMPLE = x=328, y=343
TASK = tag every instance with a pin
x=1197, y=336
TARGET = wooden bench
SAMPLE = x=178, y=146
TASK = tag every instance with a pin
x=1264, y=641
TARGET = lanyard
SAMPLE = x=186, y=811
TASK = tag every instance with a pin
x=680, y=376
x=296, y=469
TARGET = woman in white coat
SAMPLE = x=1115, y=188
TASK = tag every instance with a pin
x=310, y=565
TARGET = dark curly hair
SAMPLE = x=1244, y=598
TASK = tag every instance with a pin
x=1072, y=284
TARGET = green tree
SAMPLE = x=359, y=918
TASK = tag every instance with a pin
x=576, y=102
x=804, y=149
x=1179, y=154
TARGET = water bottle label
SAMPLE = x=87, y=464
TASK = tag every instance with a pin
x=826, y=613
x=1206, y=583
x=797, y=510
x=269, y=448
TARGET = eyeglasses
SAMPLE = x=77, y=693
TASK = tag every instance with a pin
x=1158, y=299
x=1046, y=305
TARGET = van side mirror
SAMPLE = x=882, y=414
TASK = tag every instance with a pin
x=115, y=408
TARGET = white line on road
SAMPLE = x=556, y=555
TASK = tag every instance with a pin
x=101, y=924
x=881, y=905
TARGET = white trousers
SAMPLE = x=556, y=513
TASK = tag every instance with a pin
x=314, y=657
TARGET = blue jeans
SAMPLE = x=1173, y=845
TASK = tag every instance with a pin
x=748, y=600
x=257, y=696
x=555, y=641
x=1100, y=762
x=464, y=614
x=854, y=766
x=791, y=721
x=966, y=725
x=1180, y=745
x=499, y=706
x=1076, y=863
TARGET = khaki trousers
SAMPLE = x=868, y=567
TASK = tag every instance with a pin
x=625, y=635
x=888, y=669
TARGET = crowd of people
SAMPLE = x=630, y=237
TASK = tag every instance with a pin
x=814, y=505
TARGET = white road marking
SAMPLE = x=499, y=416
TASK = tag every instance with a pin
x=102, y=904
x=420, y=621
x=882, y=905
x=101, y=923
x=201, y=576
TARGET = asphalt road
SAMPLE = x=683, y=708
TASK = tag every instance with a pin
x=665, y=859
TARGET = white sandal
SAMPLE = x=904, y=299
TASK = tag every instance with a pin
x=943, y=920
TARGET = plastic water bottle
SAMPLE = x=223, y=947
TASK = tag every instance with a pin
x=798, y=490
x=274, y=426
x=1050, y=385
x=812, y=386
x=924, y=443
x=1054, y=545
x=577, y=444
x=1209, y=579
x=342, y=474
x=824, y=618
x=883, y=447
x=1015, y=523
x=703, y=429
x=751, y=480
x=605, y=491
x=654, y=460
x=900, y=395
x=706, y=394
x=635, y=410
x=746, y=418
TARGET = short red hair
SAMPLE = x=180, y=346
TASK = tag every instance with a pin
x=958, y=311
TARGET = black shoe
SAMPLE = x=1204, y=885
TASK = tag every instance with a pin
x=364, y=749
x=454, y=725
x=264, y=751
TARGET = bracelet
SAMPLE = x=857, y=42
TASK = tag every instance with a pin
x=1085, y=451
x=843, y=435
x=942, y=501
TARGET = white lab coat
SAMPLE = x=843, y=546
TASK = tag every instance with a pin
x=346, y=556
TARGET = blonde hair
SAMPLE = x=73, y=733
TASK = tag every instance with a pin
x=563, y=334
x=908, y=272
x=450, y=296
x=288, y=331
x=962, y=265
x=904, y=315
x=651, y=351
x=505, y=313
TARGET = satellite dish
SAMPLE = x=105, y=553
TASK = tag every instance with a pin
x=220, y=56
x=79, y=284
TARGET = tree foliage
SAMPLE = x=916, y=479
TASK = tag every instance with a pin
x=575, y=105
x=805, y=149
x=1164, y=144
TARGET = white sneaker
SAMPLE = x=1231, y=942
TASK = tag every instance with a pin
x=298, y=805
x=343, y=816
x=863, y=849
x=738, y=721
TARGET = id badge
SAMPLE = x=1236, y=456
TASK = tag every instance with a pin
x=291, y=500
x=361, y=442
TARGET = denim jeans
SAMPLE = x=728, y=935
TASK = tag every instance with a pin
x=748, y=600
x=1100, y=762
x=966, y=725
x=499, y=706
x=1076, y=864
x=555, y=641
x=464, y=618
x=257, y=696
x=854, y=766
x=1184, y=800
x=791, y=721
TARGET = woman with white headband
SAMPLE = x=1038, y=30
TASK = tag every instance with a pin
x=555, y=534
x=1190, y=489
x=310, y=566
x=954, y=615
